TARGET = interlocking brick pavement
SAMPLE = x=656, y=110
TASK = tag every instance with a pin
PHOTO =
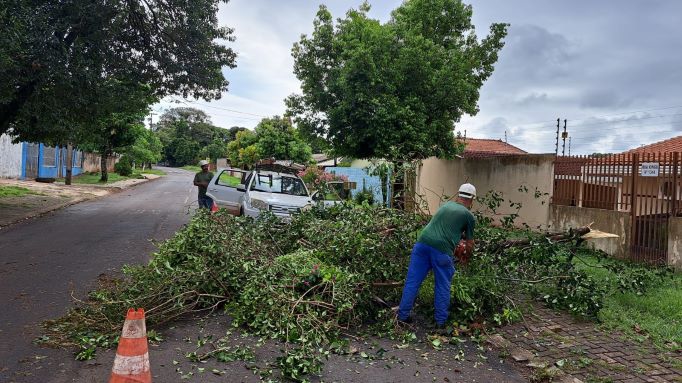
x=590, y=354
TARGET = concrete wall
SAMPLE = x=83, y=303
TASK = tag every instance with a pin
x=437, y=178
x=10, y=158
x=91, y=163
x=675, y=242
x=616, y=222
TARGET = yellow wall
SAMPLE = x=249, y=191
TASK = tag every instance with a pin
x=570, y=217
x=437, y=178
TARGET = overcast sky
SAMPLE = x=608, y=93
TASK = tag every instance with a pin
x=613, y=69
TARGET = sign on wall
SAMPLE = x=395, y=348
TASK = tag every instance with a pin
x=649, y=169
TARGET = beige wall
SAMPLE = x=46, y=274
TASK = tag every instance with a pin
x=675, y=242
x=437, y=178
x=565, y=217
x=92, y=162
x=221, y=163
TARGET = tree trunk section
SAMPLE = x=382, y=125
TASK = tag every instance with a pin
x=69, y=163
x=103, y=164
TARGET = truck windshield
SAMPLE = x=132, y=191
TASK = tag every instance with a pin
x=279, y=184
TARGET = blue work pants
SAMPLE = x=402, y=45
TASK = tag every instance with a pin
x=423, y=259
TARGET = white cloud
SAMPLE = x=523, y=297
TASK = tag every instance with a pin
x=572, y=60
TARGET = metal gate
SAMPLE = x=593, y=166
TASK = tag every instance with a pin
x=644, y=184
x=654, y=181
x=32, y=160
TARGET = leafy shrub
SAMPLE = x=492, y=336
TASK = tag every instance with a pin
x=124, y=167
x=364, y=196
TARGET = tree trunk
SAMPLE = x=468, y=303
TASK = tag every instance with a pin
x=104, y=155
x=69, y=163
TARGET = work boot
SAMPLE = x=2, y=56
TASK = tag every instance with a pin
x=407, y=321
x=442, y=330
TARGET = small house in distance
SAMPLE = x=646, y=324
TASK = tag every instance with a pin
x=484, y=147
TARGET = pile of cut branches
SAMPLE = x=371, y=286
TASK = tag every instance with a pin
x=329, y=270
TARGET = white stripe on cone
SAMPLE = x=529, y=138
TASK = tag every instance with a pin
x=134, y=328
x=131, y=365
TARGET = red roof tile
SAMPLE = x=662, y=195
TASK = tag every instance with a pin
x=482, y=147
x=666, y=146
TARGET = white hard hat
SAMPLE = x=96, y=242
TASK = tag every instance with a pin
x=203, y=162
x=467, y=191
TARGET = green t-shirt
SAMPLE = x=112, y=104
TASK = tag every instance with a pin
x=445, y=229
x=203, y=177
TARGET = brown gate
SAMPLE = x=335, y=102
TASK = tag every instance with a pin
x=32, y=161
x=644, y=184
x=654, y=181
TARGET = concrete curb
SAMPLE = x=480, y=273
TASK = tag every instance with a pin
x=530, y=360
x=77, y=200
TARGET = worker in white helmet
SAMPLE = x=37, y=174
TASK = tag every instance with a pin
x=452, y=223
x=201, y=180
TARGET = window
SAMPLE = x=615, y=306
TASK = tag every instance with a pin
x=49, y=156
x=273, y=183
x=230, y=178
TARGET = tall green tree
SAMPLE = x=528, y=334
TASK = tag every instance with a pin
x=118, y=121
x=392, y=90
x=147, y=148
x=242, y=151
x=272, y=138
x=55, y=56
x=278, y=139
x=188, y=134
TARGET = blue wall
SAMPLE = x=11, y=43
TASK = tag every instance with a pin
x=357, y=175
x=51, y=171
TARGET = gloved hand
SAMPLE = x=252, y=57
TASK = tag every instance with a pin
x=461, y=253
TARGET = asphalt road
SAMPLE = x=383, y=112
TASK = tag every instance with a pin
x=42, y=260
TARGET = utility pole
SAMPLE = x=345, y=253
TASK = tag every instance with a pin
x=564, y=135
x=505, y=136
x=151, y=121
x=556, y=148
x=569, y=146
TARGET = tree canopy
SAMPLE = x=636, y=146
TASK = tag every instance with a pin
x=56, y=55
x=392, y=90
x=187, y=134
x=273, y=138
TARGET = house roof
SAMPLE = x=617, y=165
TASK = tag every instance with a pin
x=320, y=157
x=666, y=146
x=483, y=147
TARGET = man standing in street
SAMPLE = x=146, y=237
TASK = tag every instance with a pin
x=201, y=180
x=452, y=223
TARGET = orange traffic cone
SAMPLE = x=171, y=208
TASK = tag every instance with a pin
x=132, y=357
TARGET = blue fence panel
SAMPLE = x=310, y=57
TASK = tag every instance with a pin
x=360, y=177
x=76, y=157
x=49, y=158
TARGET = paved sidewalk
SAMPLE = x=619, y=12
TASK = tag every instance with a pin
x=549, y=341
x=46, y=197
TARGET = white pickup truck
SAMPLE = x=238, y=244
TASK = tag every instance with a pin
x=251, y=192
